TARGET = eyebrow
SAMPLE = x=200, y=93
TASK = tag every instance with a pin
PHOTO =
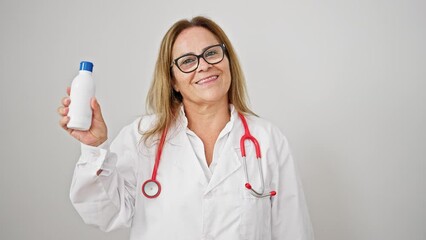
x=192, y=53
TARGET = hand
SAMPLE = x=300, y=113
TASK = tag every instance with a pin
x=98, y=132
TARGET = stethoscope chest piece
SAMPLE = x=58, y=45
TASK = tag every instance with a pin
x=151, y=188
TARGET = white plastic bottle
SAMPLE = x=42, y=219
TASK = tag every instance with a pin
x=82, y=90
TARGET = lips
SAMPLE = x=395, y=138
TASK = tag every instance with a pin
x=207, y=79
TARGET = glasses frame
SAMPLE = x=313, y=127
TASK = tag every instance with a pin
x=221, y=45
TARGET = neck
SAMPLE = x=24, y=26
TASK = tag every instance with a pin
x=207, y=117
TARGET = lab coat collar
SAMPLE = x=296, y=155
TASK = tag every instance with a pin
x=230, y=161
x=177, y=134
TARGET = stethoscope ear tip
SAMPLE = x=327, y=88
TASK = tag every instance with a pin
x=273, y=193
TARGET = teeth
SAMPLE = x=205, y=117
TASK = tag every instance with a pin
x=207, y=79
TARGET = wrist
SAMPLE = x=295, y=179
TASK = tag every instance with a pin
x=100, y=142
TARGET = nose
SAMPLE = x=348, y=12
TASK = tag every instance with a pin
x=203, y=65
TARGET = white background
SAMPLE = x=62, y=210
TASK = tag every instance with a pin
x=344, y=80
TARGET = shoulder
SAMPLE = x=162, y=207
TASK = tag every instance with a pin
x=129, y=137
x=261, y=124
x=137, y=127
x=265, y=130
x=145, y=122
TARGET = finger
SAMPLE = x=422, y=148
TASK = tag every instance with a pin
x=63, y=111
x=76, y=134
x=97, y=114
x=69, y=91
x=66, y=101
x=63, y=123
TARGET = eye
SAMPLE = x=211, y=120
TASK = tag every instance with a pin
x=187, y=60
x=211, y=53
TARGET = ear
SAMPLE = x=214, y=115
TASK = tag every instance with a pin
x=174, y=85
x=173, y=81
x=175, y=88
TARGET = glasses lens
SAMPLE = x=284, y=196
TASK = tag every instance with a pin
x=187, y=63
x=213, y=55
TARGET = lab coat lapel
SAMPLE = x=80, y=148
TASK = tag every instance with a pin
x=229, y=162
x=184, y=156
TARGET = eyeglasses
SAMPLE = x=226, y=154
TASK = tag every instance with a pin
x=189, y=62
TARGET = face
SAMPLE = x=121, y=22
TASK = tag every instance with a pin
x=208, y=84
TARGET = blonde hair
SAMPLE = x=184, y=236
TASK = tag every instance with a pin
x=164, y=101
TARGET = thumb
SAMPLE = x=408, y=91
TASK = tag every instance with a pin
x=96, y=108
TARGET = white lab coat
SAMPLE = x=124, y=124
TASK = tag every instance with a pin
x=190, y=207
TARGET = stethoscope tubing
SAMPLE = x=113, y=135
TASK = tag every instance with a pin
x=248, y=137
x=158, y=155
x=151, y=188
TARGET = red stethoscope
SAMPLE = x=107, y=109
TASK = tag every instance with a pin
x=151, y=188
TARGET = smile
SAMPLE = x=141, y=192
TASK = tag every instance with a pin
x=207, y=79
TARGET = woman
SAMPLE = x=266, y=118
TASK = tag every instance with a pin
x=200, y=191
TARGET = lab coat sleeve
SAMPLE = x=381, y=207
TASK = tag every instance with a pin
x=290, y=217
x=107, y=201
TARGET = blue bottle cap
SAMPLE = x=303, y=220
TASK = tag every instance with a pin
x=87, y=66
